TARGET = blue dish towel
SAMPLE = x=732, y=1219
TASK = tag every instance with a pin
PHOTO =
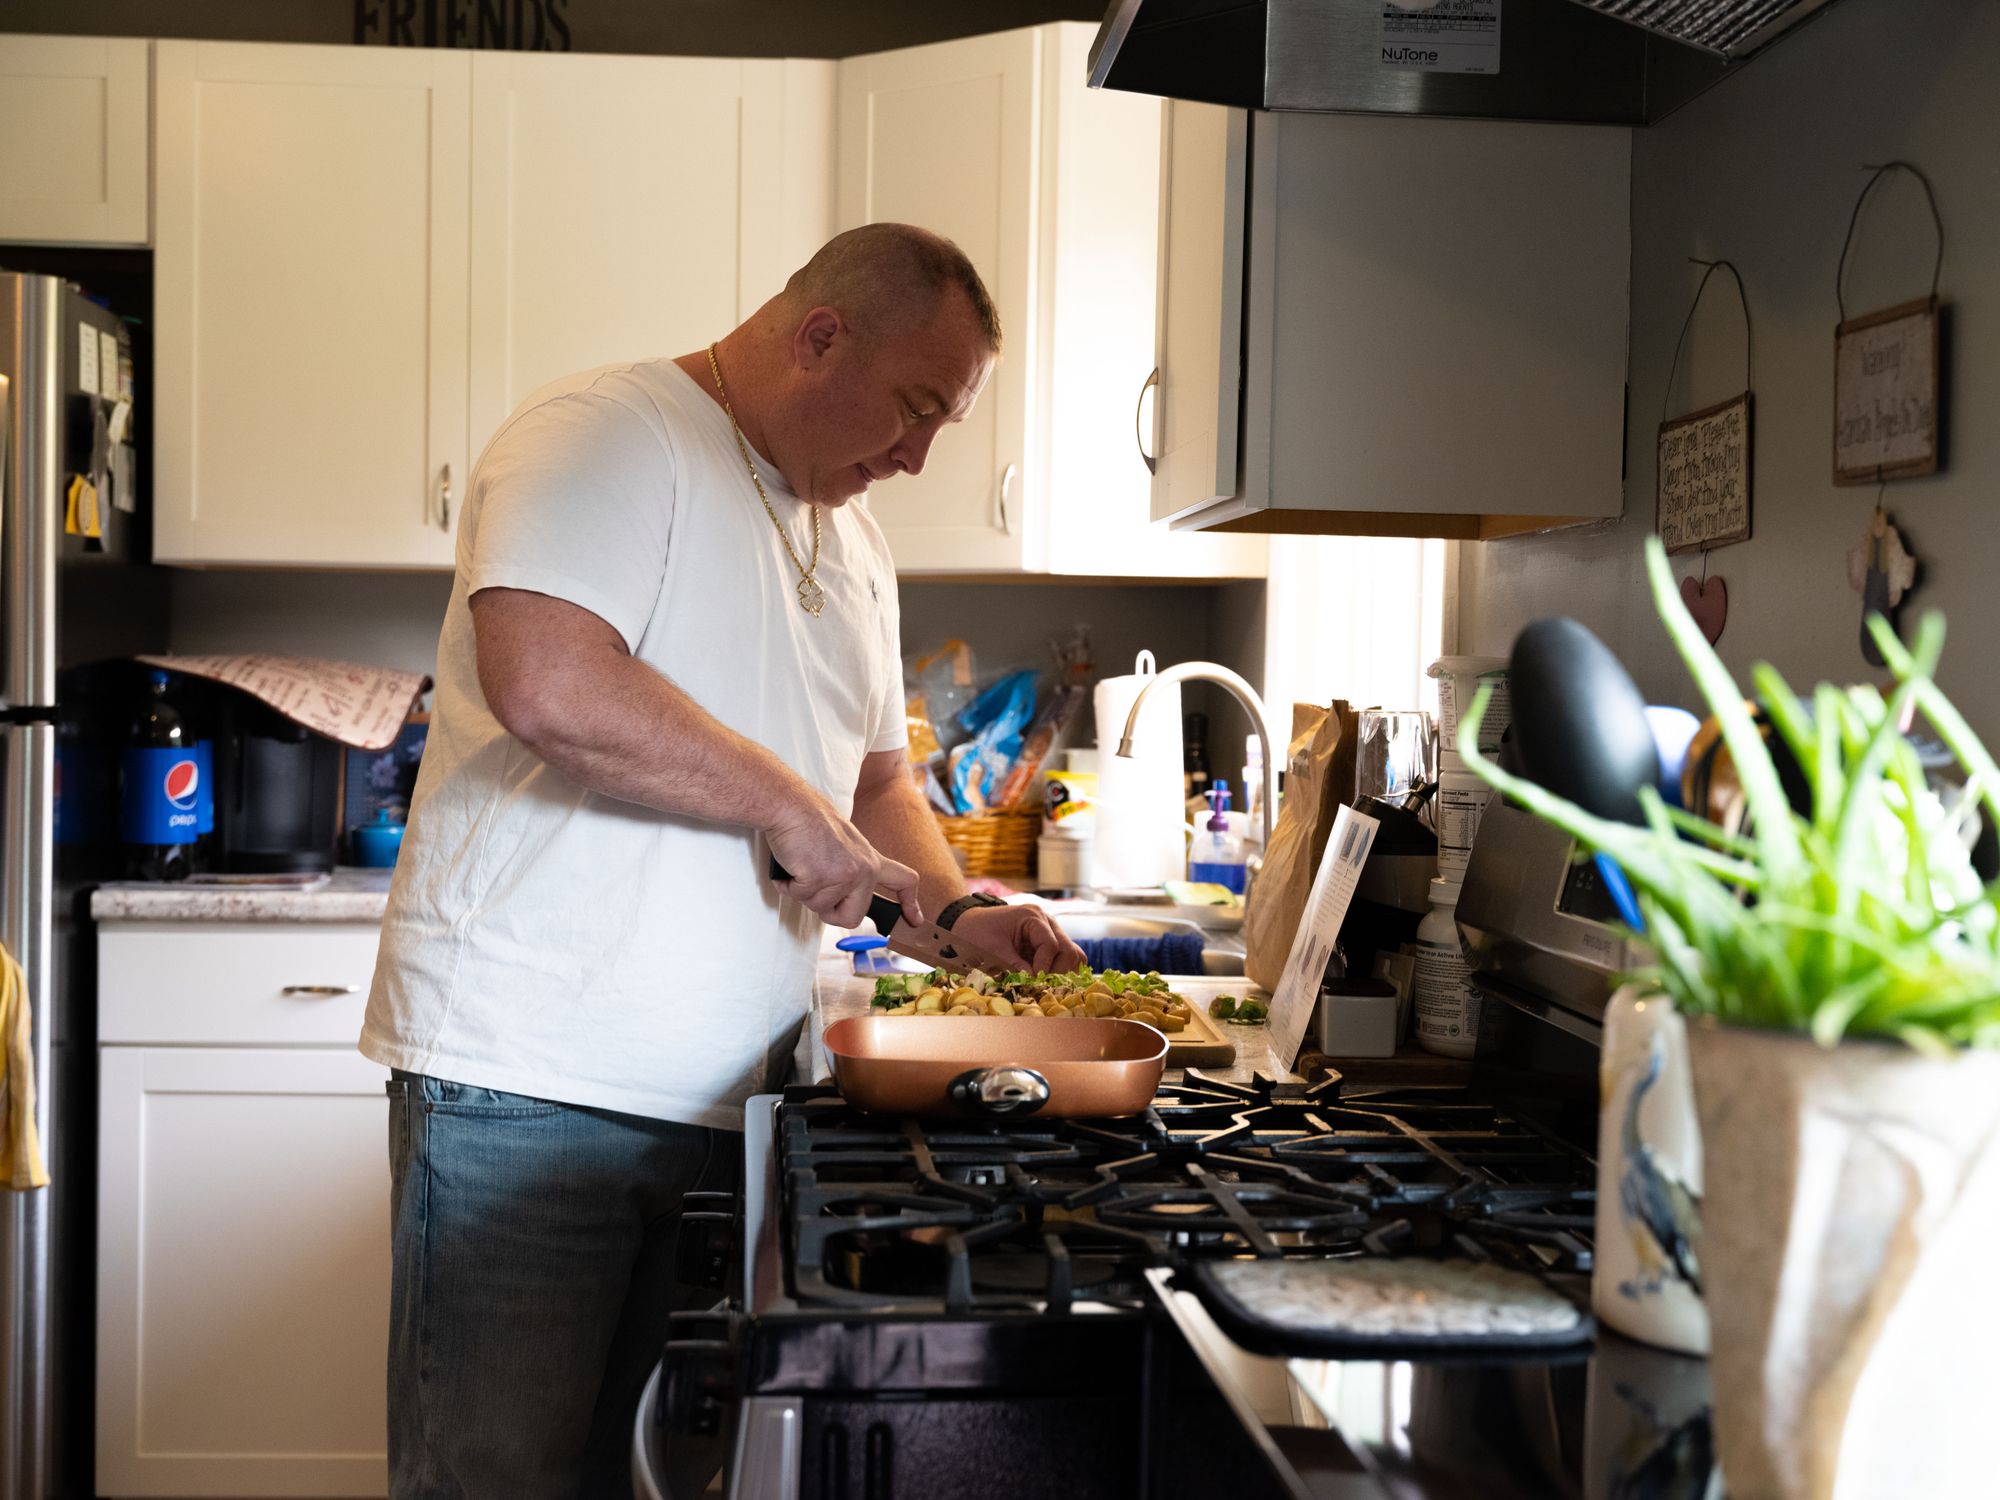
x=1175, y=953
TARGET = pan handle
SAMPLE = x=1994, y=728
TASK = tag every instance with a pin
x=1008, y=1089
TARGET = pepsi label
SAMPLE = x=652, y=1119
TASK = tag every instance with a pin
x=204, y=761
x=166, y=798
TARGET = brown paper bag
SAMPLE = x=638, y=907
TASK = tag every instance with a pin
x=1319, y=778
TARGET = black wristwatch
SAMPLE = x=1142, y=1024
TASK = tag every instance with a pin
x=963, y=905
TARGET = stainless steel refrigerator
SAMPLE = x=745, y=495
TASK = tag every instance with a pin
x=75, y=587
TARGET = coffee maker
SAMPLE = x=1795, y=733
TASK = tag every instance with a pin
x=277, y=790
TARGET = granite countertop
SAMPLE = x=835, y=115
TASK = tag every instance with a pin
x=348, y=895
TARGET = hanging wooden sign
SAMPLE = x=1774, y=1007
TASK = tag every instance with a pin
x=1887, y=401
x=1702, y=497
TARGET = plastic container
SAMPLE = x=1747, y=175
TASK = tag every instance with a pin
x=1064, y=863
x=1458, y=679
x=377, y=844
x=1217, y=853
x=1447, y=1005
x=1357, y=1018
x=1461, y=803
x=1253, y=786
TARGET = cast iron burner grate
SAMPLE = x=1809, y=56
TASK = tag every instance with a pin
x=1028, y=1216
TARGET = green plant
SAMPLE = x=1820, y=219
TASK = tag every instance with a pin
x=1865, y=918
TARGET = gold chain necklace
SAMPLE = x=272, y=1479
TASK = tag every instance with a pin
x=812, y=598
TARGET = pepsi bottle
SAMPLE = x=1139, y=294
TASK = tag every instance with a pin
x=165, y=802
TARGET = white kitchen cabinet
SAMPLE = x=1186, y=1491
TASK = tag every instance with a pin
x=243, y=1272
x=310, y=301
x=1433, y=326
x=243, y=1212
x=367, y=257
x=1204, y=153
x=629, y=207
x=1052, y=189
x=74, y=117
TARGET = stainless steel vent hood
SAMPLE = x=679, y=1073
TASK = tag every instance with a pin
x=1612, y=62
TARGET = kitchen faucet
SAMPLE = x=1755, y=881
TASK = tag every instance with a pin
x=1208, y=671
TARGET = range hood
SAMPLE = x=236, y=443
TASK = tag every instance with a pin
x=1612, y=62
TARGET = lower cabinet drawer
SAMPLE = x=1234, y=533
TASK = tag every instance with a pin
x=234, y=983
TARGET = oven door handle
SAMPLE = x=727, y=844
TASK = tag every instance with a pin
x=765, y=1460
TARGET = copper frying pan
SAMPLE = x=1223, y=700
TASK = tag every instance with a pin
x=995, y=1066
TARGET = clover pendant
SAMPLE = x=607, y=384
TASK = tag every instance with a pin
x=812, y=598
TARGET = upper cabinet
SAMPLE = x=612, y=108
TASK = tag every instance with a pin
x=1052, y=189
x=968, y=509
x=1431, y=332
x=73, y=116
x=310, y=299
x=367, y=257
x=600, y=231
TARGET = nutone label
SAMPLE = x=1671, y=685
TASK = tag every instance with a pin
x=1441, y=36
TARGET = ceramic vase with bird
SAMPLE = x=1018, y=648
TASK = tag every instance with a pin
x=1646, y=1282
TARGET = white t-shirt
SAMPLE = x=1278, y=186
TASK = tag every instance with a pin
x=547, y=940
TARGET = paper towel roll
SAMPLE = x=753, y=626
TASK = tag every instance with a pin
x=1139, y=801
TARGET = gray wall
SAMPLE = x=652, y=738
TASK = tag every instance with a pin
x=726, y=28
x=380, y=619
x=392, y=620
x=1764, y=170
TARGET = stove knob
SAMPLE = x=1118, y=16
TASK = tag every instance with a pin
x=709, y=1237
x=698, y=1372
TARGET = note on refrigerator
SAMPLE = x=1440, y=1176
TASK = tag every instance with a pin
x=86, y=358
x=1347, y=849
x=107, y=365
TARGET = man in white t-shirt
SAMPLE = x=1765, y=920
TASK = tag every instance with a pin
x=670, y=658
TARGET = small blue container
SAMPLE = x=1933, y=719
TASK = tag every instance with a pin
x=376, y=844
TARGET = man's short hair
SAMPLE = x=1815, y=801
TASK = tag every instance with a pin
x=886, y=278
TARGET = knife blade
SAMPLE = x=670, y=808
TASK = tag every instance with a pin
x=926, y=942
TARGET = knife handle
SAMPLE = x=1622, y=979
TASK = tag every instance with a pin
x=883, y=912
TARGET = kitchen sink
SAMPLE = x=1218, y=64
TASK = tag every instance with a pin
x=1221, y=954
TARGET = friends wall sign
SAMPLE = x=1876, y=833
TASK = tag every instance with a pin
x=499, y=25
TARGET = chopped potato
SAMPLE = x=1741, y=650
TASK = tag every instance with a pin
x=1083, y=994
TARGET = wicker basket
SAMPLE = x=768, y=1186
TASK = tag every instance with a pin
x=1000, y=844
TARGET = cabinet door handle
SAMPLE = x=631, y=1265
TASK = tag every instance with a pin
x=1138, y=432
x=1006, y=484
x=444, y=499
x=321, y=991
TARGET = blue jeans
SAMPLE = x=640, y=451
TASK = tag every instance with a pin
x=533, y=1274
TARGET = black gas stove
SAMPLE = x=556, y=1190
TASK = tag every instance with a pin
x=1019, y=1309
x=968, y=1218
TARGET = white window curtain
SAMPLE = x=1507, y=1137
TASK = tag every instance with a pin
x=1358, y=618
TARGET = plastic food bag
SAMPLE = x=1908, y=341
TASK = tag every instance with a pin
x=997, y=718
x=943, y=679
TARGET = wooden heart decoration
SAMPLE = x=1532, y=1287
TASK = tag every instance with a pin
x=1708, y=602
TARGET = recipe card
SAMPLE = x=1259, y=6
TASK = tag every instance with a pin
x=1326, y=908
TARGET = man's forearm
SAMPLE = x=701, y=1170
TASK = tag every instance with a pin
x=895, y=819
x=619, y=728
